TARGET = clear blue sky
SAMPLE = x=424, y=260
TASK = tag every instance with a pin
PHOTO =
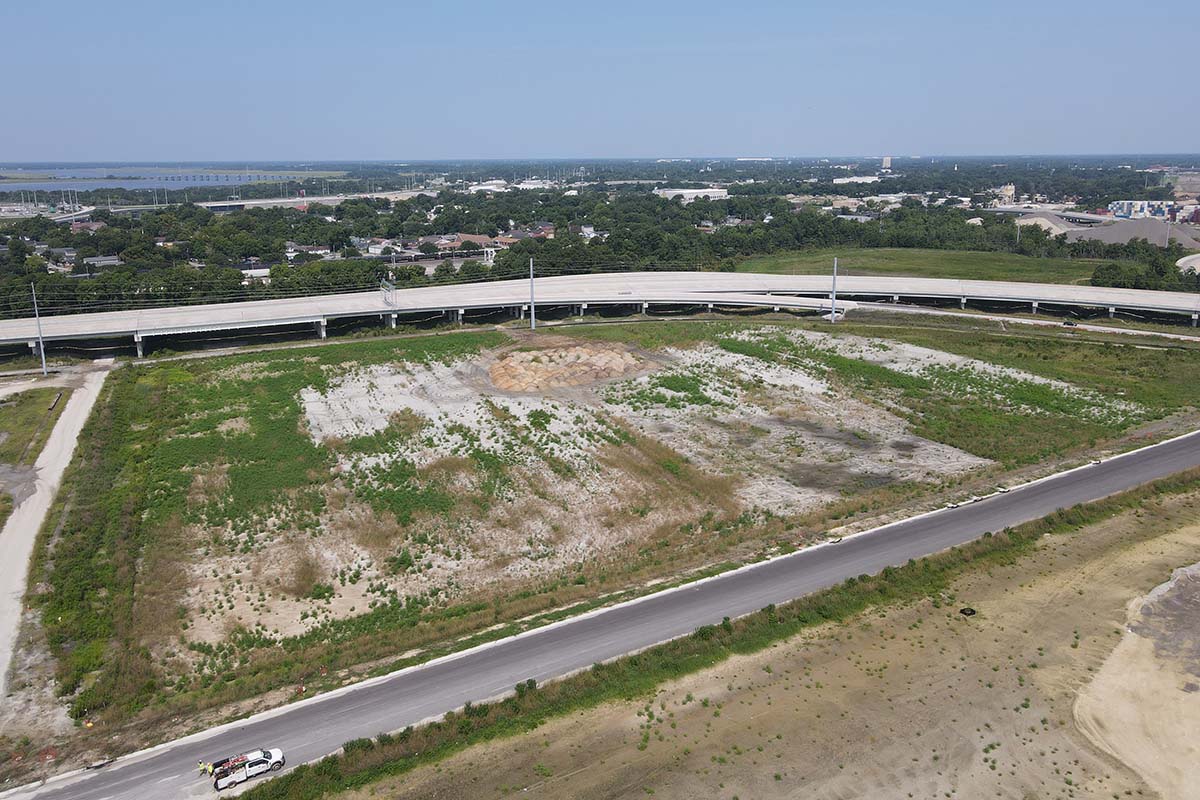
x=360, y=79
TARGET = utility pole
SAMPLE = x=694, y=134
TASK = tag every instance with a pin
x=833, y=295
x=36, y=316
x=532, y=305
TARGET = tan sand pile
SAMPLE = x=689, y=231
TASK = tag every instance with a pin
x=579, y=365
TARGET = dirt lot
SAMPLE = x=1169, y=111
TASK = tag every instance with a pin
x=917, y=701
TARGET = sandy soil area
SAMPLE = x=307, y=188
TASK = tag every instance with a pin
x=916, y=701
x=1143, y=706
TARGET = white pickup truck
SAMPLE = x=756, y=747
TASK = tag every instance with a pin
x=232, y=771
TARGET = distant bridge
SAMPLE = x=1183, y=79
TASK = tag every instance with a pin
x=238, y=204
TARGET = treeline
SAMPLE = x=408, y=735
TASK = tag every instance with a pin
x=1087, y=186
x=638, y=230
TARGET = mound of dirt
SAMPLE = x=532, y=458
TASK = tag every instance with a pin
x=560, y=367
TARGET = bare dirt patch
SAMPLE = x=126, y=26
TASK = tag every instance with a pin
x=234, y=425
x=561, y=367
x=914, y=701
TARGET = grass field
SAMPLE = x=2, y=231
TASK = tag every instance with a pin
x=26, y=420
x=961, y=264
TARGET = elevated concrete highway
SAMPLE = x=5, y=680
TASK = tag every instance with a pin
x=635, y=289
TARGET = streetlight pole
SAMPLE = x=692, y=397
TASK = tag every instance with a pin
x=36, y=316
x=833, y=294
x=532, y=304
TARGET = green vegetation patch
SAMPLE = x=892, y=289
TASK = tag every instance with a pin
x=26, y=420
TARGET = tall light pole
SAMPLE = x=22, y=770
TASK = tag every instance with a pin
x=36, y=316
x=532, y=305
x=833, y=294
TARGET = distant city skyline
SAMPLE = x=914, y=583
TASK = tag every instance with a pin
x=458, y=80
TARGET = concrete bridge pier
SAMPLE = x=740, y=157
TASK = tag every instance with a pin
x=710, y=306
x=391, y=320
x=1112, y=312
x=462, y=313
x=645, y=307
x=1034, y=304
x=321, y=329
x=137, y=342
x=962, y=302
x=582, y=309
x=1194, y=318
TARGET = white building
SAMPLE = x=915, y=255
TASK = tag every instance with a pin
x=689, y=195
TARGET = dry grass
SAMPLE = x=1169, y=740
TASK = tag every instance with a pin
x=378, y=532
x=306, y=572
x=208, y=483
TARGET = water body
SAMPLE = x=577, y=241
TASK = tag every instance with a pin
x=117, y=176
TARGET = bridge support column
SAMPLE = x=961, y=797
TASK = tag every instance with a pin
x=1034, y=304
x=710, y=305
x=522, y=312
x=1194, y=318
x=462, y=312
x=1112, y=312
x=582, y=309
x=321, y=332
x=645, y=307
x=391, y=321
x=962, y=302
x=137, y=342
x=895, y=298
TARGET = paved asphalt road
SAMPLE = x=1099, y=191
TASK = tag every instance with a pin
x=314, y=728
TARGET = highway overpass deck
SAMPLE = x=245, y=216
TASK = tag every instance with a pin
x=646, y=289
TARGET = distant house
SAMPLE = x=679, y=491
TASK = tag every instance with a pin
x=587, y=232
x=96, y=262
x=294, y=250
x=474, y=238
x=90, y=227
x=256, y=275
